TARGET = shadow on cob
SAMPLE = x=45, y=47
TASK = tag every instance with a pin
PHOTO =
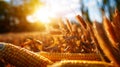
x=106, y=37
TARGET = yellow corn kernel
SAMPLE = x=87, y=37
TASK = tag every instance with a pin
x=70, y=56
x=21, y=57
x=81, y=63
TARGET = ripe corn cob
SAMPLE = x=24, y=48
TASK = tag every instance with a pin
x=81, y=21
x=21, y=57
x=70, y=56
x=81, y=63
x=104, y=43
x=69, y=25
x=110, y=32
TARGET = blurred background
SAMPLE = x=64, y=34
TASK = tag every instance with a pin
x=34, y=15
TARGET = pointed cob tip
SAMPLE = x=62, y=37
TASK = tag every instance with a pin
x=2, y=46
x=116, y=11
x=105, y=19
x=81, y=21
x=95, y=24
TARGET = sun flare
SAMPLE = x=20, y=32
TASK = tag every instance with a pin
x=54, y=9
x=44, y=15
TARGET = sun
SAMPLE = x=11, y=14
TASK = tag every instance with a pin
x=42, y=14
x=54, y=9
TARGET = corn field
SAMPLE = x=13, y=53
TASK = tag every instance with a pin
x=81, y=44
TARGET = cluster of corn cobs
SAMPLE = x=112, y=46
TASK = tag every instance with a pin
x=89, y=38
x=71, y=38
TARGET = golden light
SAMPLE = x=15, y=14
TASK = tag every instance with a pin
x=42, y=14
x=53, y=9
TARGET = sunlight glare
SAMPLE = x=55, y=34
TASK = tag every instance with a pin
x=44, y=15
x=30, y=19
x=55, y=9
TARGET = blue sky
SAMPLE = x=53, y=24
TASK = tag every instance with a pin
x=7, y=0
x=93, y=10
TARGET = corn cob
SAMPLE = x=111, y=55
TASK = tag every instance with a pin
x=110, y=32
x=81, y=63
x=21, y=57
x=70, y=56
x=116, y=25
x=69, y=25
x=106, y=45
x=81, y=21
